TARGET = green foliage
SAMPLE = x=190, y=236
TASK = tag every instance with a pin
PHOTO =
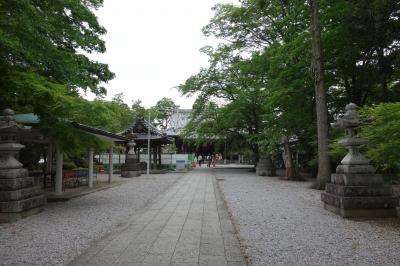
x=336, y=150
x=43, y=68
x=48, y=37
x=258, y=80
x=382, y=129
x=161, y=112
x=258, y=85
x=57, y=107
x=137, y=108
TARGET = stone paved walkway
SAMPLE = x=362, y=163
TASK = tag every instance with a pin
x=187, y=225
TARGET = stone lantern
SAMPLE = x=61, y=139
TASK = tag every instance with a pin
x=355, y=189
x=20, y=194
x=264, y=167
x=132, y=166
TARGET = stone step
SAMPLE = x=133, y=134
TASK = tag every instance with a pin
x=356, y=179
x=380, y=202
x=22, y=205
x=20, y=194
x=357, y=191
x=263, y=172
x=13, y=173
x=19, y=183
x=130, y=173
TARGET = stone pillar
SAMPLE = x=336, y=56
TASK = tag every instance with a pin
x=110, y=164
x=355, y=189
x=20, y=194
x=138, y=154
x=59, y=171
x=148, y=160
x=90, y=170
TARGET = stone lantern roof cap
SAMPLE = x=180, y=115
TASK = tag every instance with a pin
x=351, y=106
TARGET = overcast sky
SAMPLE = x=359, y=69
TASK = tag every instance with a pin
x=153, y=46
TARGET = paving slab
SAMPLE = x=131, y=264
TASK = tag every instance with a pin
x=186, y=225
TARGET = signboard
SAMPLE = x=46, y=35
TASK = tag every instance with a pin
x=180, y=164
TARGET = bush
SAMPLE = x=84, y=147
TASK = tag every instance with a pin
x=382, y=129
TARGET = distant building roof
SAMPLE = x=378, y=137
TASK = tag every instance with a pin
x=34, y=135
x=29, y=118
x=100, y=133
x=177, y=122
x=140, y=130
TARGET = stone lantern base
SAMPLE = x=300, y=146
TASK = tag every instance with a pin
x=20, y=195
x=264, y=167
x=354, y=195
x=131, y=168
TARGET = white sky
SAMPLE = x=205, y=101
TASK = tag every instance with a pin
x=153, y=46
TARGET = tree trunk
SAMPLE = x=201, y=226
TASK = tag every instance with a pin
x=320, y=97
x=291, y=173
x=383, y=70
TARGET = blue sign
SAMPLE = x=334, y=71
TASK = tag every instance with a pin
x=180, y=164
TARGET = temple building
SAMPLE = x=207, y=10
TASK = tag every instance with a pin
x=139, y=133
x=176, y=123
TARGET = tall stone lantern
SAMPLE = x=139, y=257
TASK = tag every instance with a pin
x=131, y=168
x=356, y=190
x=20, y=194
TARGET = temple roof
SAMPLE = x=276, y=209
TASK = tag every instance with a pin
x=100, y=133
x=29, y=118
x=35, y=136
x=140, y=130
x=141, y=125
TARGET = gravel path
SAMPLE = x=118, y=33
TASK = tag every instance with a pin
x=65, y=229
x=284, y=223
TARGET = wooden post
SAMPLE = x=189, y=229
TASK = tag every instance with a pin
x=110, y=165
x=155, y=157
x=90, y=170
x=49, y=158
x=159, y=156
x=59, y=171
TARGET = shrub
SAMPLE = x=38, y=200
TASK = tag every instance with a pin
x=382, y=129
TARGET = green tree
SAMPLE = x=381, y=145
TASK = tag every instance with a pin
x=47, y=38
x=361, y=59
x=43, y=66
x=231, y=96
x=138, y=109
x=162, y=111
x=382, y=127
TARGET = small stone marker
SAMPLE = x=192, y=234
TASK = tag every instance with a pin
x=20, y=194
x=355, y=189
